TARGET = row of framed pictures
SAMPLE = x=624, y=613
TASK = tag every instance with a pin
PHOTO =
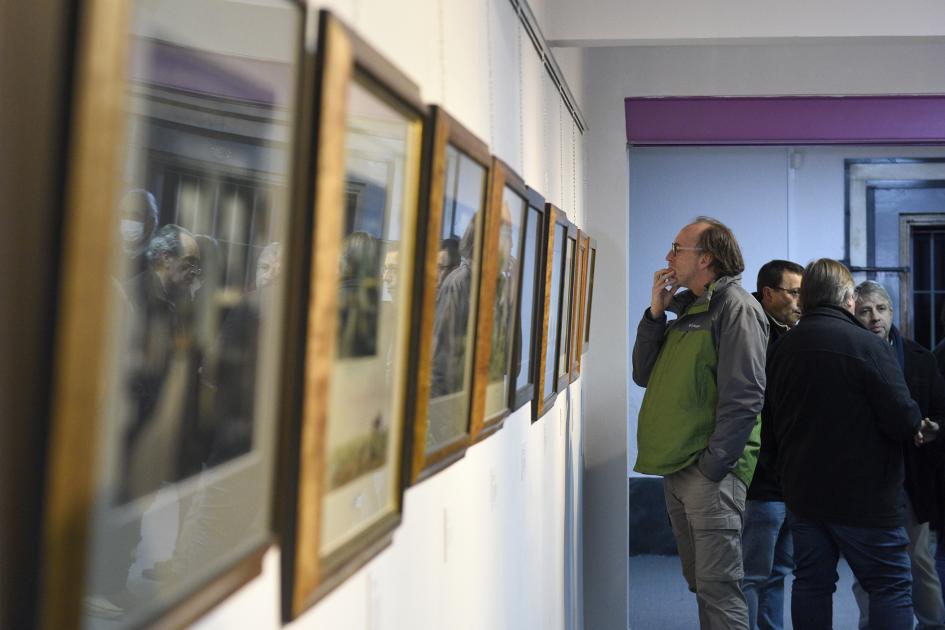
x=311, y=291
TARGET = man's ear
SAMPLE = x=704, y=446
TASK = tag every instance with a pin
x=766, y=294
x=705, y=261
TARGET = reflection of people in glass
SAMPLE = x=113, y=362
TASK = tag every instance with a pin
x=504, y=300
x=139, y=219
x=358, y=295
x=447, y=259
x=391, y=270
x=450, y=324
x=163, y=365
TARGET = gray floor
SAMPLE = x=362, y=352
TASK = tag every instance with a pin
x=659, y=599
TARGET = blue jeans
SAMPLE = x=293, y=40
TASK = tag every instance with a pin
x=879, y=560
x=768, y=552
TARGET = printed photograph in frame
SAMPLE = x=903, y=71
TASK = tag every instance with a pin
x=498, y=295
x=168, y=368
x=580, y=304
x=456, y=195
x=553, y=251
x=530, y=300
x=345, y=456
x=568, y=308
x=589, y=299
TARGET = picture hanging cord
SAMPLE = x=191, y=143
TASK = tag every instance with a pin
x=489, y=46
x=441, y=34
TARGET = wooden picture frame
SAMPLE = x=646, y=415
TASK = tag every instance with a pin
x=345, y=455
x=589, y=299
x=498, y=296
x=135, y=378
x=456, y=196
x=580, y=304
x=568, y=306
x=554, y=247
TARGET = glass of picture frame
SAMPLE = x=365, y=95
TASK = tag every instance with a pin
x=457, y=196
x=589, y=299
x=344, y=458
x=172, y=310
x=498, y=297
x=530, y=300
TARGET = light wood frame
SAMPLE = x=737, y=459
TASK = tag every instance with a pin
x=580, y=305
x=503, y=177
x=553, y=218
x=342, y=57
x=535, y=202
x=96, y=129
x=443, y=131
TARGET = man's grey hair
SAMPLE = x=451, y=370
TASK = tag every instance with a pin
x=166, y=241
x=826, y=282
x=872, y=289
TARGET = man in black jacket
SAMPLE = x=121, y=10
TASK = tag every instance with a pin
x=875, y=311
x=837, y=413
x=766, y=536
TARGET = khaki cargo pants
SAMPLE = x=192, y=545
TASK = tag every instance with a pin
x=707, y=521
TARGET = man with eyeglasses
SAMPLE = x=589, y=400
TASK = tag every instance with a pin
x=766, y=539
x=699, y=421
x=874, y=309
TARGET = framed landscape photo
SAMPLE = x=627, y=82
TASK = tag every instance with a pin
x=169, y=365
x=344, y=456
x=530, y=300
x=456, y=196
x=589, y=297
x=498, y=298
x=580, y=304
x=555, y=239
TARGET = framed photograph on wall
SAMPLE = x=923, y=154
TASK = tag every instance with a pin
x=568, y=306
x=172, y=308
x=457, y=196
x=498, y=297
x=345, y=456
x=553, y=263
x=530, y=300
x=580, y=304
x=589, y=298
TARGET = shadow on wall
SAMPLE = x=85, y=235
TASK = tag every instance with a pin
x=649, y=529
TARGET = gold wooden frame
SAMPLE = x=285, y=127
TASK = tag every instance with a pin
x=580, y=293
x=444, y=130
x=342, y=58
x=541, y=404
x=97, y=124
x=502, y=177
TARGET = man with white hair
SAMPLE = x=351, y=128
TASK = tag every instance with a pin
x=874, y=309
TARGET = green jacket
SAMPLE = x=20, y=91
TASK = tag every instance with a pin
x=704, y=374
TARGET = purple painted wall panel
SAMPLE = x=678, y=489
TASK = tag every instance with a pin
x=786, y=120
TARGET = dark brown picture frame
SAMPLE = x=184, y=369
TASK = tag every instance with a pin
x=97, y=152
x=529, y=317
x=444, y=131
x=342, y=59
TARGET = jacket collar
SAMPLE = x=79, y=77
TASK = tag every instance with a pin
x=835, y=312
x=681, y=303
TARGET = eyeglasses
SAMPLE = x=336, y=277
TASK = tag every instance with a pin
x=792, y=292
x=676, y=247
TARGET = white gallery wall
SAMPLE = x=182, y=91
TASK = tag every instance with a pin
x=490, y=541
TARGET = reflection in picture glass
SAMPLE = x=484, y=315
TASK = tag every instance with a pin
x=196, y=305
x=455, y=298
x=554, y=309
x=382, y=144
x=522, y=370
